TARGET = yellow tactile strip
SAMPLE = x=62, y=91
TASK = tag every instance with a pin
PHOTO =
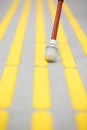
x=81, y=120
x=40, y=26
x=75, y=86
x=76, y=89
x=39, y=55
x=17, y=45
x=9, y=76
x=42, y=121
x=7, y=85
x=40, y=37
x=7, y=19
x=76, y=27
x=3, y=120
x=15, y=54
x=65, y=51
x=42, y=98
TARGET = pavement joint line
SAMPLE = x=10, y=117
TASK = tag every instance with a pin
x=7, y=19
x=76, y=28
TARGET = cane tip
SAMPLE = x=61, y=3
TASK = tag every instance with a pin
x=51, y=54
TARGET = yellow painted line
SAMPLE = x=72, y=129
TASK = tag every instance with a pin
x=17, y=45
x=81, y=120
x=15, y=54
x=40, y=36
x=65, y=52
x=20, y=33
x=6, y=21
x=76, y=27
x=3, y=120
x=39, y=55
x=41, y=94
x=76, y=89
x=7, y=86
x=40, y=25
x=41, y=121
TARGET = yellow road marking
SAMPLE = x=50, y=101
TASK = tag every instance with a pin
x=7, y=85
x=76, y=89
x=41, y=96
x=3, y=120
x=17, y=45
x=64, y=48
x=76, y=27
x=42, y=121
x=39, y=55
x=40, y=36
x=6, y=21
x=81, y=120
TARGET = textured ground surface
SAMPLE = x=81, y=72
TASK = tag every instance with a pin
x=34, y=94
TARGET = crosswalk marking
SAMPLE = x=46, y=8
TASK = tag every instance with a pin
x=41, y=94
x=42, y=121
x=3, y=120
x=76, y=89
x=65, y=52
x=7, y=85
x=17, y=45
x=76, y=27
x=40, y=37
x=81, y=120
x=6, y=21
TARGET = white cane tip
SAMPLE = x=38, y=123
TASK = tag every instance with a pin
x=51, y=54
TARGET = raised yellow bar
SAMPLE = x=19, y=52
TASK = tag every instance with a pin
x=7, y=86
x=81, y=120
x=76, y=27
x=42, y=121
x=41, y=95
x=20, y=32
x=16, y=48
x=40, y=25
x=3, y=120
x=39, y=55
x=76, y=89
x=15, y=54
x=6, y=21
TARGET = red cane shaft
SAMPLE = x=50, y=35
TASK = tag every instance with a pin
x=57, y=18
